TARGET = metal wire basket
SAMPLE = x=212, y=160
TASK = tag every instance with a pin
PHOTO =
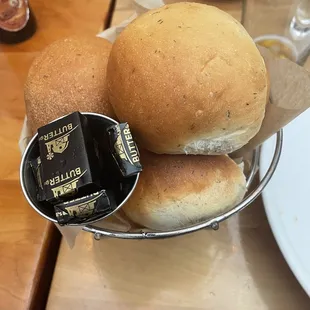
x=211, y=223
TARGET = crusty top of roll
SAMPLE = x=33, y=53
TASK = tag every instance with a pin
x=177, y=190
x=188, y=78
x=69, y=75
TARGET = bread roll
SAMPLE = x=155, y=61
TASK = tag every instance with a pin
x=69, y=75
x=175, y=191
x=188, y=79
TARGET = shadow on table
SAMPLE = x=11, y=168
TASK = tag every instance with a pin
x=255, y=230
x=157, y=269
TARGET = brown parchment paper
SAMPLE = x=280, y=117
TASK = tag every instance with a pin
x=289, y=97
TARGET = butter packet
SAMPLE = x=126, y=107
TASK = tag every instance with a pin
x=124, y=149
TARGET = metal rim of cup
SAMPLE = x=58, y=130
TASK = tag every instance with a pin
x=24, y=190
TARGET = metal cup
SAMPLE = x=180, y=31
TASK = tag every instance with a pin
x=98, y=123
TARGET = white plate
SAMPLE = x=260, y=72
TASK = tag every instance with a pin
x=287, y=196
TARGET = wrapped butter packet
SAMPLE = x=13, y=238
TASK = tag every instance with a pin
x=68, y=156
x=83, y=209
x=36, y=166
x=124, y=149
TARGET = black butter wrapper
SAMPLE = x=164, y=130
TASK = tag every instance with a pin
x=83, y=209
x=69, y=160
x=36, y=167
x=124, y=149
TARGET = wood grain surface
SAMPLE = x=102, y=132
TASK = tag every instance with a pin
x=28, y=243
x=237, y=267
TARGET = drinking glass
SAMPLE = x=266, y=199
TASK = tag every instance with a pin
x=283, y=26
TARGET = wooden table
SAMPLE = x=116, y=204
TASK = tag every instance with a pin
x=28, y=243
x=237, y=267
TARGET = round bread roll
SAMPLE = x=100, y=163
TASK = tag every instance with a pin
x=69, y=75
x=175, y=191
x=188, y=79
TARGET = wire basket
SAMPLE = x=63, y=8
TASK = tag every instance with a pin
x=210, y=223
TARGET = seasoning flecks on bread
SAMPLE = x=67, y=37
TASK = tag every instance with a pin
x=176, y=191
x=189, y=79
x=67, y=76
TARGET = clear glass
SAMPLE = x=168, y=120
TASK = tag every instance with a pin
x=283, y=26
